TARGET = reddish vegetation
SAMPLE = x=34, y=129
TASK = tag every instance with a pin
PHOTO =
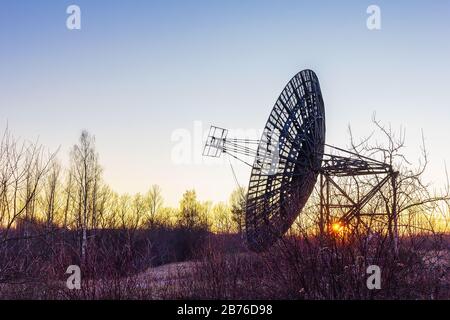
x=175, y=263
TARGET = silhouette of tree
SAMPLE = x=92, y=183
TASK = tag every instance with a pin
x=154, y=201
x=86, y=173
x=191, y=215
x=237, y=203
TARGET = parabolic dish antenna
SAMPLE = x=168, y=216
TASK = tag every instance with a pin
x=280, y=186
x=287, y=161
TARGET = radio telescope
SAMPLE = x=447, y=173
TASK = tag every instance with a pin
x=288, y=159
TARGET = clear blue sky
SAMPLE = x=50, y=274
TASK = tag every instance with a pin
x=139, y=70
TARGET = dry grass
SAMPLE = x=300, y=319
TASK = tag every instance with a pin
x=293, y=269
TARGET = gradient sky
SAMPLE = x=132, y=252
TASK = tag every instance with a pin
x=139, y=70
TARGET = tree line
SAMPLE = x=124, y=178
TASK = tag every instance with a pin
x=36, y=189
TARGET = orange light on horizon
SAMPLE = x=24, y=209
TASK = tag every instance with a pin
x=337, y=227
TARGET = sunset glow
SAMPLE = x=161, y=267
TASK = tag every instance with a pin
x=255, y=150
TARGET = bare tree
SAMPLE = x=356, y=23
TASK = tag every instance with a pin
x=408, y=202
x=23, y=166
x=51, y=197
x=191, y=214
x=154, y=201
x=86, y=173
x=222, y=218
x=22, y=169
x=237, y=203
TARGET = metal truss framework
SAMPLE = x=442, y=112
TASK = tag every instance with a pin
x=352, y=166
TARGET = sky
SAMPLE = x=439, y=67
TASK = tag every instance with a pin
x=148, y=78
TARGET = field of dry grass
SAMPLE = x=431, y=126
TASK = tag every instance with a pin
x=291, y=270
